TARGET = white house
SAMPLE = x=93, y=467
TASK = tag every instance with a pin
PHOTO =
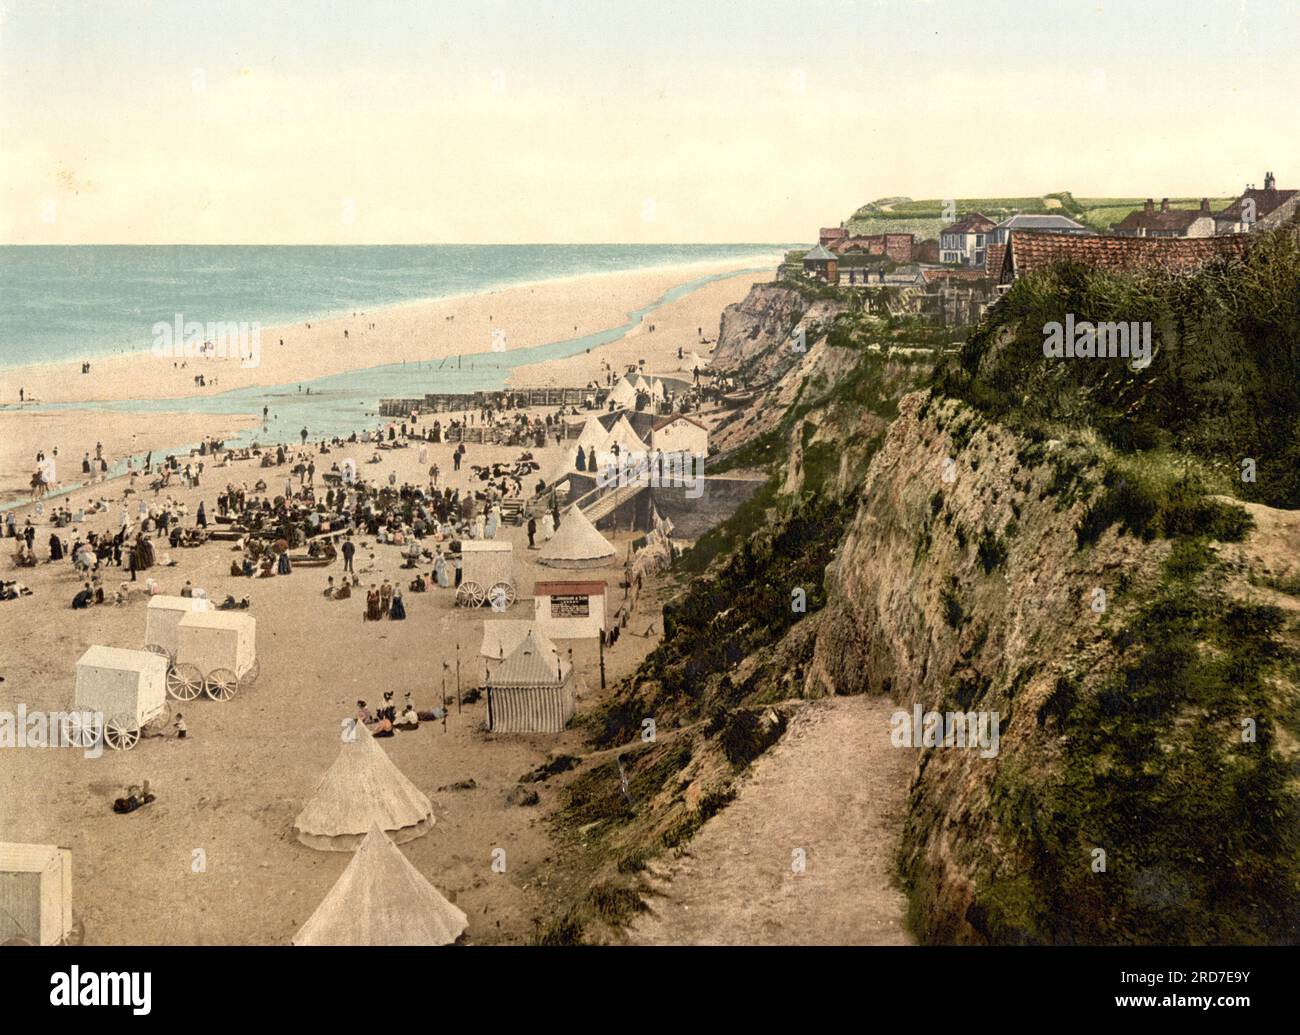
x=965, y=242
x=680, y=434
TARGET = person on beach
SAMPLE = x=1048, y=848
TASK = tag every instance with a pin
x=532, y=533
x=349, y=550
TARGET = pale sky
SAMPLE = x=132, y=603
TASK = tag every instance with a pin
x=379, y=121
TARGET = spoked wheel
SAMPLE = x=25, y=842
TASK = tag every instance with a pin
x=470, y=594
x=185, y=682
x=501, y=596
x=80, y=729
x=250, y=676
x=158, y=648
x=121, y=733
x=157, y=726
x=222, y=684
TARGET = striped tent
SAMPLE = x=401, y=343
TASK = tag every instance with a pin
x=530, y=690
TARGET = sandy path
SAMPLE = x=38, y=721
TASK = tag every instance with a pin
x=833, y=786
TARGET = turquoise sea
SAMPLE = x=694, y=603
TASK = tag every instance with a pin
x=131, y=288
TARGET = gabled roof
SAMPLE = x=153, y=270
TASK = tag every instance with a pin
x=1265, y=202
x=1030, y=250
x=971, y=223
x=1177, y=220
x=382, y=899
x=1032, y=221
x=672, y=418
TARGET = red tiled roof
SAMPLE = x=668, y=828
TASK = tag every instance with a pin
x=1028, y=251
x=1176, y=219
x=941, y=274
x=993, y=259
x=972, y=223
x=560, y=589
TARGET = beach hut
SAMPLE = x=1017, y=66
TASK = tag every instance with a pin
x=382, y=899
x=487, y=574
x=35, y=894
x=569, y=610
x=576, y=544
x=216, y=651
x=162, y=616
x=363, y=788
x=530, y=692
x=118, y=693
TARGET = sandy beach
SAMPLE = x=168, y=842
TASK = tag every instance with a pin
x=527, y=315
x=233, y=788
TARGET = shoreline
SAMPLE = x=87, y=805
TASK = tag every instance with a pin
x=48, y=383
x=130, y=426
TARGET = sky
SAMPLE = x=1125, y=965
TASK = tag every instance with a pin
x=342, y=122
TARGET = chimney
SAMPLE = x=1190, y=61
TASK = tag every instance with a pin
x=1269, y=182
x=1149, y=207
x=1164, y=204
x=1205, y=206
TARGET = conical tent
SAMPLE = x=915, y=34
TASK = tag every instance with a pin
x=657, y=390
x=576, y=544
x=593, y=435
x=624, y=393
x=382, y=899
x=623, y=434
x=361, y=789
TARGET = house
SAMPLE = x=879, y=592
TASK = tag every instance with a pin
x=1148, y=221
x=926, y=251
x=680, y=434
x=1258, y=209
x=1028, y=221
x=964, y=242
x=895, y=247
x=822, y=265
x=1028, y=251
x=829, y=236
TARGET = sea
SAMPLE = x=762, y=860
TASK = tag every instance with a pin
x=78, y=302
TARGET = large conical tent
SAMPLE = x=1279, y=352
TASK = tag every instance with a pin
x=382, y=899
x=576, y=544
x=593, y=435
x=361, y=789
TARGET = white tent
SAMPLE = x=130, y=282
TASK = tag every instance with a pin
x=576, y=544
x=624, y=393
x=657, y=390
x=626, y=437
x=382, y=899
x=693, y=360
x=362, y=788
x=502, y=635
x=535, y=661
x=593, y=435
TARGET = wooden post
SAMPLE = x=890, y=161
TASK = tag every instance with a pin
x=602, y=658
x=458, y=676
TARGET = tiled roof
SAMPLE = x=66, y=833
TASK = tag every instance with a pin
x=972, y=223
x=993, y=259
x=932, y=275
x=1029, y=250
x=1169, y=219
x=1265, y=202
x=820, y=254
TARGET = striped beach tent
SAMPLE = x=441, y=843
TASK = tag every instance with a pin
x=530, y=690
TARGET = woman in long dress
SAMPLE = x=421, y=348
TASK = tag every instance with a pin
x=440, y=570
x=548, y=526
x=397, y=610
x=492, y=522
x=372, y=604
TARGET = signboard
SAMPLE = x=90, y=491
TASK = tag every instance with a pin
x=570, y=605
